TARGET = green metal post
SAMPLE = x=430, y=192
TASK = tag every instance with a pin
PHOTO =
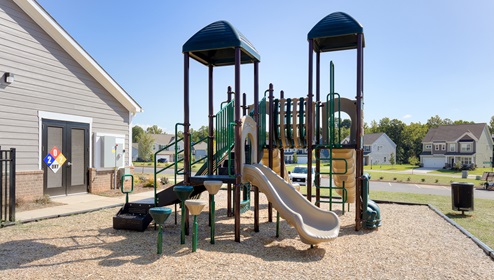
x=277, y=224
x=160, y=239
x=182, y=224
x=213, y=205
x=194, y=234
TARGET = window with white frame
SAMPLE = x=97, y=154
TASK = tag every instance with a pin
x=466, y=147
x=452, y=147
x=466, y=160
x=428, y=147
x=440, y=146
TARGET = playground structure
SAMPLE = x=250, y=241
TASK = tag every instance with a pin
x=243, y=139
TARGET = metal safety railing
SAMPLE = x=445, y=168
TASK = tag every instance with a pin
x=225, y=122
x=7, y=186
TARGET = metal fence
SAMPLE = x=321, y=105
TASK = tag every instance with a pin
x=7, y=186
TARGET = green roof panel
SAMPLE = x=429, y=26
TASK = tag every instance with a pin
x=215, y=45
x=337, y=31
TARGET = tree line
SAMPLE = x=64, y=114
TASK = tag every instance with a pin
x=408, y=138
x=145, y=140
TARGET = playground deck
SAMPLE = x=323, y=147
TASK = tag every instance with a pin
x=415, y=243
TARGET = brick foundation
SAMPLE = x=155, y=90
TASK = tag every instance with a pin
x=29, y=185
x=103, y=180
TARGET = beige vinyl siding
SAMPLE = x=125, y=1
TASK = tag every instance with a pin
x=46, y=79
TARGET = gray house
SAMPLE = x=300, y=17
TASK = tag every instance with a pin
x=378, y=149
x=67, y=118
x=163, y=140
x=464, y=144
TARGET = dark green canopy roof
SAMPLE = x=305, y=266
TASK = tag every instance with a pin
x=215, y=45
x=337, y=31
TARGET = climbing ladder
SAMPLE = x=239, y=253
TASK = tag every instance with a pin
x=342, y=160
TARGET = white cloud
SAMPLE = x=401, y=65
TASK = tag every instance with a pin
x=407, y=116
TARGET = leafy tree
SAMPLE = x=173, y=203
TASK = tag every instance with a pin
x=435, y=121
x=491, y=123
x=154, y=130
x=145, y=147
x=295, y=157
x=346, y=123
x=413, y=160
x=137, y=131
x=412, y=139
x=462, y=122
x=392, y=159
x=199, y=134
x=374, y=127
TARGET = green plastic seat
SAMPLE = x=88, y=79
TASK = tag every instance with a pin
x=160, y=214
x=183, y=192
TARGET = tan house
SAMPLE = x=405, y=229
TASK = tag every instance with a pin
x=68, y=120
x=464, y=144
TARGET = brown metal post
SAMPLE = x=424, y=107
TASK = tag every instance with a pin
x=318, y=151
x=360, y=134
x=186, y=134
x=271, y=143
x=229, y=211
x=211, y=123
x=256, y=159
x=238, y=136
x=309, y=122
x=210, y=132
x=186, y=121
x=244, y=106
x=282, y=150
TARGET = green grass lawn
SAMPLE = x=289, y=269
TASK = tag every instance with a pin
x=420, y=179
x=477, y=171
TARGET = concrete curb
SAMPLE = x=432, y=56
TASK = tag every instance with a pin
x=61, y=215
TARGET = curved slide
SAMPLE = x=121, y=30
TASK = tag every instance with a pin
x=314, y=225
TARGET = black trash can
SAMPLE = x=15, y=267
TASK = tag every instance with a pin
x=462, y=196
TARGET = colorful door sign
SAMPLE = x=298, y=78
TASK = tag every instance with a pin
x=54, y=159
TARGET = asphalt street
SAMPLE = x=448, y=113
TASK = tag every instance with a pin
x=379, y=186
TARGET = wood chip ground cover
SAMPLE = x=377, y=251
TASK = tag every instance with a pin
x=413, y=243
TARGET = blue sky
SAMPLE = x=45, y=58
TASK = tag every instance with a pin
x=422, y=58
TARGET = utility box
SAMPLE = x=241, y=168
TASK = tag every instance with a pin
x=111, y=152
x=462, y=196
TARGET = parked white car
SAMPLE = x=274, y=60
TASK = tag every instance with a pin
x=299, y=175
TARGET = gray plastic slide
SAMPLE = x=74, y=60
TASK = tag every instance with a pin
x=314, y=225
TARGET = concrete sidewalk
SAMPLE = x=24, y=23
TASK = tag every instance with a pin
x=78, y=203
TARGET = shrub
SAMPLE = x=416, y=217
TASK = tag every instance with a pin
x=380, y=178
x=45, y=199
x=394, y=178
x=409, y=179
x=437, y=181
x=142, y=178
x=149, y=183
x=423, y=180
x=164, y=180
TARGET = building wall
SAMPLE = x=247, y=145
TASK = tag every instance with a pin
x=484, y=150
x=380, y=149
x=47, y=79
x=47, y=82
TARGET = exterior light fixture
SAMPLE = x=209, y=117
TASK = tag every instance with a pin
x=9, y=78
